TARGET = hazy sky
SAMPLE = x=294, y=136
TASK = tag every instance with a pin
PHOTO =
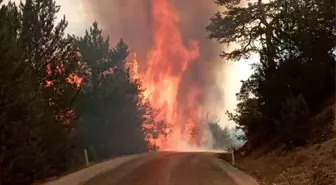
x=73, y=10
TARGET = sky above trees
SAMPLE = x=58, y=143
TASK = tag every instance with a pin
x=78, y=19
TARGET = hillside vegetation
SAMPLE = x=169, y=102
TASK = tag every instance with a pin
x=287, y=107
x=295, y=76
x=313, y=164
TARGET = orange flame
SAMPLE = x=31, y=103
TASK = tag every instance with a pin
x=166, y=64
x=66, y=115
x=71, y=79
x=75, y=79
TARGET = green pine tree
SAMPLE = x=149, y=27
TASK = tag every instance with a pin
x=111, y=108
x=35, y=117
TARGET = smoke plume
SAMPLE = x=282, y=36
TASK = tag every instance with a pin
x=188, y=57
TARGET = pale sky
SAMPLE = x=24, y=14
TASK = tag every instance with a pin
x=74, y=12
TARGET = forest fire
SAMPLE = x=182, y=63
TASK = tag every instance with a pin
x=172, y=58
x=166, y=64
x=71, y=79
x=74, y=79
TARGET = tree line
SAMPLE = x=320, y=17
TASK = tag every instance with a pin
x=61, y=94
x=295, y=75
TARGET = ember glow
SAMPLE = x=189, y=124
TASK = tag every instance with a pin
x=75, y=79
x=71, y=79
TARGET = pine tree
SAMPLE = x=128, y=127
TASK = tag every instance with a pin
x=36, y=93
x=295, y=40
x=14, y=92
x=112, y=116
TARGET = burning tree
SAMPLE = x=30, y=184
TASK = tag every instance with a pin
x=34, y=141
x=155, y=132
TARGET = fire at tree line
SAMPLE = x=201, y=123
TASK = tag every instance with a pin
x=62, y=94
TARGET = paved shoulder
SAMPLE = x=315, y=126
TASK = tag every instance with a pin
x=237, y=175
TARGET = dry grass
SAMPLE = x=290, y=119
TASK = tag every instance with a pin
x=311, y=165
x=314, y=165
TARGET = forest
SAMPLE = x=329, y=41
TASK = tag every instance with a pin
x=295, y=76
x=61, y=94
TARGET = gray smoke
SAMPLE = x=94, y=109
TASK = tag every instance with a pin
x=131, y=20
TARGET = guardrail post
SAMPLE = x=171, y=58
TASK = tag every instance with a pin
x=232, y=157
x=86, y=158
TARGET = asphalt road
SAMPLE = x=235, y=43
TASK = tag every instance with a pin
x=172, y=169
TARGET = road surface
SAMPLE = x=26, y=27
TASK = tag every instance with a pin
x=167, y=168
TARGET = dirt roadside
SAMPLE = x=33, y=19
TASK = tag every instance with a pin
x=314, y=164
